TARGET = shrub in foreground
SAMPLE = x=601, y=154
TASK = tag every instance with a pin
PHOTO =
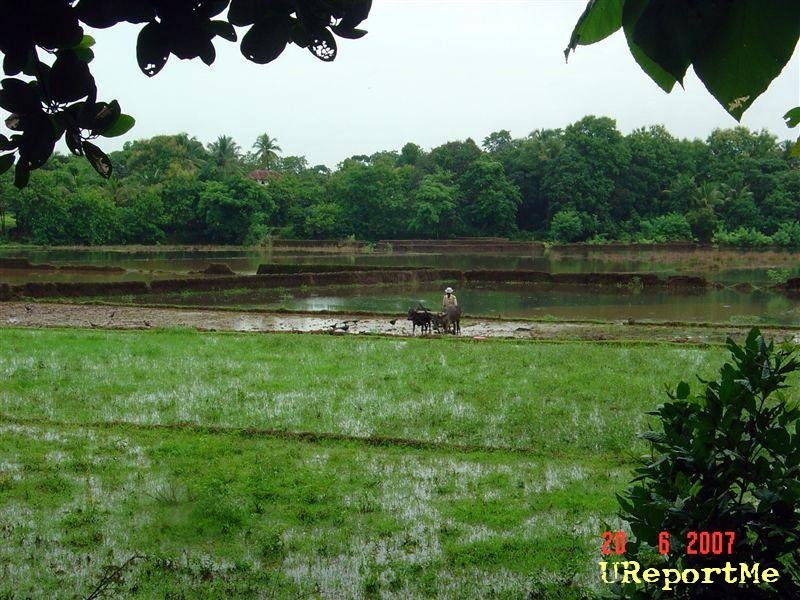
x=725, y=459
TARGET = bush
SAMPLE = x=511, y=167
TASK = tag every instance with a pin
x=788, y=235
x=142, y=219
x=726, y=459
x=324, y=220
x=259, y=232
x=703, y=223
x=672, y=227
x=743, y=236
x=569, y=225
x=227, y=209
x=7, y=224
x=94, y=219
x=778, y=275
x=598, y=239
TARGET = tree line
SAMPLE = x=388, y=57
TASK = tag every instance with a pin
x=586, y=182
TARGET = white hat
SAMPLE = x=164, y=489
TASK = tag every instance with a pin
x=448, y=290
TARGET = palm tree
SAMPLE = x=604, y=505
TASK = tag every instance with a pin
x=707, y=195
x=266, y=151
x=225, y=153
x=194, y=148
x=737, y=193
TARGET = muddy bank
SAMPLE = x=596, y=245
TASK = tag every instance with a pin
x=204, y=284
x=299, y=276
x=480, y=244
x=477, y=244
x=506, y=275
x=488, y=245
x=58, y=289
x=25, y=264
x=790, y=288
x=216, y=269
x=583, y=248
x=18, y=314
x=692, y=258
x=92, y=268
x=303, y=279
x=275, y=268
x=131, y=317
x=345, y=243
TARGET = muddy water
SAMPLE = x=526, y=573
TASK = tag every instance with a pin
x=724, y=266
x=727, y=266
x=139, y=265
x=512, y=302
x=506, y=301
x=717, y=306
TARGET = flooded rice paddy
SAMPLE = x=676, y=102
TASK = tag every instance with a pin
x=504, y=301
x=723, y=265
x=512, y=301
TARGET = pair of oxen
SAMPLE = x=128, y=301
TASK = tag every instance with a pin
x=448, y=320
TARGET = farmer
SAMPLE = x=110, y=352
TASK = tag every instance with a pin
x=449, y=298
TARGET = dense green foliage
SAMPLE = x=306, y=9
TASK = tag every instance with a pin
x=587, y=182
x=726, y=459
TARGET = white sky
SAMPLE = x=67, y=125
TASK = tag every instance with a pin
x=429, y=71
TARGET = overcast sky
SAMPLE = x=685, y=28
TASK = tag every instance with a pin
x=428, y=72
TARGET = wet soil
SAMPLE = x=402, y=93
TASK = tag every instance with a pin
x=39, y=314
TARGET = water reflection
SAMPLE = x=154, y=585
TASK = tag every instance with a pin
x=727, y=266
x=577, y=302
x=515, y=301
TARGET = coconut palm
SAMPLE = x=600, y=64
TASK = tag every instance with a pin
x=266, y=151
x=737, y=193
x=194, y=148
x=707, y=195
x=225, y=153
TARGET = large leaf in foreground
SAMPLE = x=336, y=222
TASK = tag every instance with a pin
x=630, y=15
x=748, y=50
x=600, y=19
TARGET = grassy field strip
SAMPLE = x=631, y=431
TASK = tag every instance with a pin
x=250, y=432
x=218, y=514
x=566, y=398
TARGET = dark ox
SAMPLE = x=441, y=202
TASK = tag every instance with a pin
x=419, y=317
x=449, y=320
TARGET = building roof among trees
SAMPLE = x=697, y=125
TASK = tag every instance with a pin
x=263, y=175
